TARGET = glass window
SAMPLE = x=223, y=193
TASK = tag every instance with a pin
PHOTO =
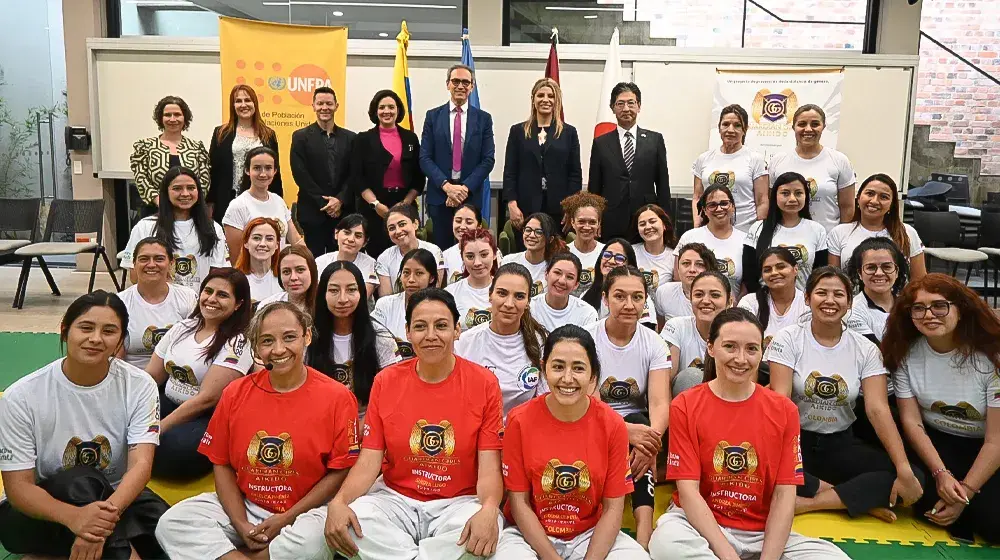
x=434, y=20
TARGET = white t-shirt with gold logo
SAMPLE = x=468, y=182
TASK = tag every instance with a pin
x=729, y=252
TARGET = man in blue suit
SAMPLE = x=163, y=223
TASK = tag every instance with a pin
x=456, y=170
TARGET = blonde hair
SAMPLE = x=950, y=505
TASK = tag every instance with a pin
x=529, y=125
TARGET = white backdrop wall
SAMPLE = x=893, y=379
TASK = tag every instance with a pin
x=128, y=76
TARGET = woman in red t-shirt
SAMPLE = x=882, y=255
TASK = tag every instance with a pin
x=566, y=466
x=433, y=429
x=281, y=441
x=734, y=452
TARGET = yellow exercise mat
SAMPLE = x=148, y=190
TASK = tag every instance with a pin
x=173, y=492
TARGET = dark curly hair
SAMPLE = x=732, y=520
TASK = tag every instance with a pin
x=172, y=100
x=379, y=96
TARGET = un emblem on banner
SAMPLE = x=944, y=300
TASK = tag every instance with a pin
x=774, y=107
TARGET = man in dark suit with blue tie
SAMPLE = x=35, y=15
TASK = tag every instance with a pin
x=456, y=154
x=628, y=167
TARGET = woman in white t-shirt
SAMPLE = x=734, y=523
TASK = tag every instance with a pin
x=347, y=346
x=822, y=365
x=401, y=223
x=734, y=166
x=256, y=201
x=182, y=222
x=616, y=253
x=557, y=306
x=829, y=174
x=352, y=235
x=635, y=382
x=193, y=363
x=673, y=299
x=472, y=292
x=154, y=304
x=77, y=439
x=787, y=225
x=297, y=276
x=583, y=212
x=687, y=337
x=716, y=208
x=258, y=258
x=942, y=346
x=541, y=242
x=779, y=303
x=877, y=214
x=510, y=343
x=418, y=270
x=466, y=219
x=879, y=272
x=655, y=255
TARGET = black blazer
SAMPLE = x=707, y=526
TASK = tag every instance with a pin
x=369, y=160
x=311, y=171
x=525, y=166
x=648, y=183
x=220, y=156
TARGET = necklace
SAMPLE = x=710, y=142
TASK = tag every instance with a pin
x=542, y=135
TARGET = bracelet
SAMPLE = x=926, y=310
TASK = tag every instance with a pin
x=939, y=471
x=969, y=488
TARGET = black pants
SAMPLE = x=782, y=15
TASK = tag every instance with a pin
x=319, y=234
x=644, y=492
x=863, y=427
x=177, y=456
x=861, y=474
x=441, y=217
x=79, y=486
x=982, y=515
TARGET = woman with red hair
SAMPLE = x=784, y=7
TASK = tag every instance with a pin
x=258, y=257
x=231, y=142
x=942, y=346
x=472, y=292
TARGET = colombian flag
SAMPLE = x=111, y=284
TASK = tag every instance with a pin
x=401, y=75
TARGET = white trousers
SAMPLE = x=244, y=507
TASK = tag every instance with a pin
x=512, y=546
x=394, y=526
x=199, y=529
x=676, y=539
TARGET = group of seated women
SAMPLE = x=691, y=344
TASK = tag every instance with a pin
x=357, y=408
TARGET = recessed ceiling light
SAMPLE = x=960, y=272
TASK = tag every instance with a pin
x=361, y=4
x=591, y=16
x=338, y=13
x=383, y=34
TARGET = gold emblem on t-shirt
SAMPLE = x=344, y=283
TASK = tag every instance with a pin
x=477, y=317
x=181, y=374
x=455, y=277
x=405, y=349
x=613, y=390
x=185, y=265
x=652, y=278
x=270, y=451
x=825, y=387
x=432, y=439
x=565, y=478
x=344, y=373
x=813, y=187
x=798, y=251
x=722, y=178
x=95, y=453
x=735, y=459
x=536, y=288
x=152, y=336
x=960, y=411
x=587, y=276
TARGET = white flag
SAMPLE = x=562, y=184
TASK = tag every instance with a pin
x=606, y=121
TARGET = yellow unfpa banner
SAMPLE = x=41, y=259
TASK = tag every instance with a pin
x=283, y=64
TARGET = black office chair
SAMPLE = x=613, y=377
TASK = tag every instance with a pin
x=989, y=229
x=942, y=235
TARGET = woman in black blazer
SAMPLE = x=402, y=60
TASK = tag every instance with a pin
x=385, y=167
x=231, y=142
x=542, y=165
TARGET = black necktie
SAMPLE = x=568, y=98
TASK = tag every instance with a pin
x=629, y=151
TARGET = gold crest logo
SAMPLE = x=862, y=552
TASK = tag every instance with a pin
x=186, y=265
x=477, y=317
x=652, y=278
x=565, y=478
x=432, y=439
x=613, y=390
x=587, y=276
x=813, y=187
x=344, y=373
x=455, y=277
x=152, y=336
x=734, y=459
x=405, y=349
x=798, y=251
x=270, y=451
x=960, y=411
x=722, y=179
x=536, y=288
x=774, y=107
x=95, y=453
x=823, y=387
x=181, y=374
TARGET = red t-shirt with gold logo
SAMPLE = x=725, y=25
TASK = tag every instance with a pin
x=566, y=467
x=282, y=444
x=738, y=451
x=432, y=433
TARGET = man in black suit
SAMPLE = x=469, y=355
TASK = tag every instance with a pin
x=320, y=160
x=628, y=167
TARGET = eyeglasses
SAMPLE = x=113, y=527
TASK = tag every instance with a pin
x=534, y=231
x=463, y=83
x=721, y=205
x=617, y=257
x=622, y=104
x=939, y=308
x=887, y=267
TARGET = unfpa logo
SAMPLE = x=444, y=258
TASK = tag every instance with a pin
x=299, y=82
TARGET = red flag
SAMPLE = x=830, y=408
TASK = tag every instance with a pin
x=552, y=64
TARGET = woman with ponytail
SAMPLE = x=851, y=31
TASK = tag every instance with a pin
x=541, y=242
x=510, y=343
x=778, y=303
x=472, y=292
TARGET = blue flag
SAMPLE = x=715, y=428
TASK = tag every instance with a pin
x=474, y=102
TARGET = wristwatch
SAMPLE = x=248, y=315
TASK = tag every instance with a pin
x=375, y=204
